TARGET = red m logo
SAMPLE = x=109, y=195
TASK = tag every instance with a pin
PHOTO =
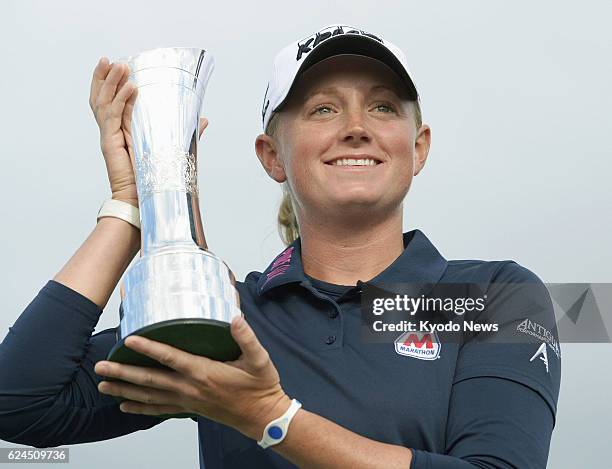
x=418, y=343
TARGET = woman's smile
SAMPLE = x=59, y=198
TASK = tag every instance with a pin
x=354, y=165
x=361, y=159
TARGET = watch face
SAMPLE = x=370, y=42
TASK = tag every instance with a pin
x=275, y=432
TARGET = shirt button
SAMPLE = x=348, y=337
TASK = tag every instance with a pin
x=333, y=314
x=330, y=339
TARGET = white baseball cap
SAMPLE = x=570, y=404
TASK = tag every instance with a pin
x=335, y=39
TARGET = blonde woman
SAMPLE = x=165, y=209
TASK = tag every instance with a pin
x=344, y=137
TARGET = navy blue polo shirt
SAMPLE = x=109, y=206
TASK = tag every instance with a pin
x=479, y=404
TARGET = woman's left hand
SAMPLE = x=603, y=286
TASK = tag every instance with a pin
x=244, y=394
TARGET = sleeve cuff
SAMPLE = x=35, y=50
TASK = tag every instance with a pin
x=73, y=299
x=426, y=460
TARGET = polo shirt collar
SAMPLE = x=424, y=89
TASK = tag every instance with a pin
x=419, y=263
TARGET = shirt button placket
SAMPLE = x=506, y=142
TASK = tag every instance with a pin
x=333, y=314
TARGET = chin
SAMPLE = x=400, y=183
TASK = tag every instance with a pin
x=349, y=192
x=356, y=200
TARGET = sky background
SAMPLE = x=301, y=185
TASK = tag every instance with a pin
x=517, y=95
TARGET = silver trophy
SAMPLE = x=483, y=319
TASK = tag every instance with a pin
x=177, y=291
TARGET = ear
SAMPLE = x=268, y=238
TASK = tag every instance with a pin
x=421, y=147
x=266, y=149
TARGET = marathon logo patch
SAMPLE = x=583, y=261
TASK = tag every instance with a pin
x=421, y=345
x=307, y=45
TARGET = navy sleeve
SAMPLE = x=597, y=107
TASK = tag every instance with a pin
x=48, y=387
x=492, y=423
x=506, y=384
x=525, y=348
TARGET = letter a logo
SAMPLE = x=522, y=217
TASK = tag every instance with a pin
x=544, y=357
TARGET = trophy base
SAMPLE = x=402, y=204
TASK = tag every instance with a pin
x=205, y=337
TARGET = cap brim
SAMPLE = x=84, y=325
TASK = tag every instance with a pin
x=357, y=45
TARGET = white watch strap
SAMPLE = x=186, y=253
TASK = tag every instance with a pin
x=120, y=209
x=276, y=430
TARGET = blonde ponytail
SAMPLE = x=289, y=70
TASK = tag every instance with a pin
x=288, y=228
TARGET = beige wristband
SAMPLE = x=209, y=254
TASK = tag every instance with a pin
x=119, y=209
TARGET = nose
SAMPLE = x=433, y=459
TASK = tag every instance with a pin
x=355, y=129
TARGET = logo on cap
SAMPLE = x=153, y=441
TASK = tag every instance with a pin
x=307, y=45
x=266, y=103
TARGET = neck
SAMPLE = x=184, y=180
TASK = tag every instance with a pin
x=342, y=254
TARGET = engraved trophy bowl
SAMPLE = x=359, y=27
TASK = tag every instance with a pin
x=177, y=292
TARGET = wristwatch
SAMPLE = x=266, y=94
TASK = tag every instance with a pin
x=120, y=209
x=276, y=430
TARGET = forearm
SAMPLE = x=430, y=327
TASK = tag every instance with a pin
x=96, y=267
x=43, y=361
x=315, y=442
x=48, y=388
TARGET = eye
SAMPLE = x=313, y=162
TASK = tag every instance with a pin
x=316, y=110
x=385, y=105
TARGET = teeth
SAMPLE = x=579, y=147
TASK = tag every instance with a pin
x=354, y=162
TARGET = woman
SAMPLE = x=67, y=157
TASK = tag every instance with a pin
x=343, y=134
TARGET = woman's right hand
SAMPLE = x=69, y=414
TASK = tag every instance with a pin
x=112, y=99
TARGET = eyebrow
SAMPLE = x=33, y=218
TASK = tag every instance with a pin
x=334, y=90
